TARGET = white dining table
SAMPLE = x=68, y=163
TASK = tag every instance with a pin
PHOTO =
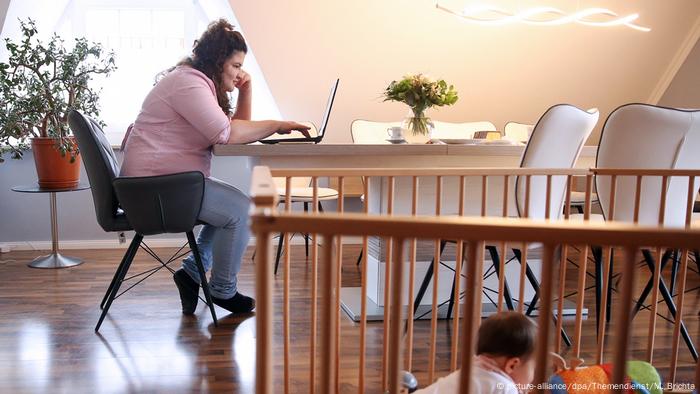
x=328, y=156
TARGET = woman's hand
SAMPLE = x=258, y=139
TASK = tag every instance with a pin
x=286, y=127
x=243, y=81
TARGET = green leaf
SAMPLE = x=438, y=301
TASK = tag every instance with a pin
x=34, y=95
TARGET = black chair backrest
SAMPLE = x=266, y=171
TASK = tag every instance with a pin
x=102, y=168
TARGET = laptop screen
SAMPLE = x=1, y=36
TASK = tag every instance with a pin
x=329, y=105
x=295, y=136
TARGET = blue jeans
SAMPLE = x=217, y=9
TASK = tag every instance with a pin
x=223, y=240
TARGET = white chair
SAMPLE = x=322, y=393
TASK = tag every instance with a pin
x=519, y=132
x=370, y=132
x=647, y=136
x=556, y=142
x=301, y=192
x=460, y=130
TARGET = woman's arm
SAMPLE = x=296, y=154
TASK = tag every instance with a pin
x=245, y=131
x=245, y=97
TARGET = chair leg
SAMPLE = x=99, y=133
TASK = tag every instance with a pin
x=306, y=236
x=696, y=252
x=115, y=279
x=669, y=301
x=280, y=245
x=426, y=280
x=651, y=263
x=609, y=300
x=535, y=284
x=674, y=271
x=666, y=295
x=359, y=258
x=202, y=275
x=495, y=259
x=597, y=253
x=451, y=303
x=114, y=290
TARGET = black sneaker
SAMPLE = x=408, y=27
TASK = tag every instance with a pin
x=189, y=291
x=239, y=303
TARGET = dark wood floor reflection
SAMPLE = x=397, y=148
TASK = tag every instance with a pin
x=47, y=342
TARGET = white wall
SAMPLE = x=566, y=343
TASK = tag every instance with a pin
x=503, y=73
x=4, y=5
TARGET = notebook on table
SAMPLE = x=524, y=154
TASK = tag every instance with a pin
x=321, y=132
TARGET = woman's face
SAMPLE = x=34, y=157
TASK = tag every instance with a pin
x=232, y=70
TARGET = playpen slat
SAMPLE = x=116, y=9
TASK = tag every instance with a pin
x=681, y=289
x=458, y=283
x=624, y=319
x=562, y=268
x=314, y=291
x=503, y=248
x=589, y=193
x=656, y=277
x=523, y=266
x=396, y=322
x=338, y=280
x=605, y=254
x=328, y=319
x=436, y=271
x=581, y=287
x=472, y=311
x=411, y=279
x=287, y=209
x=548, y=198
x=387, y=285
x=263, y=328
x=363, y=312
x=545, y=313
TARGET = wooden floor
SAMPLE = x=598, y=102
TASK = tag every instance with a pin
x=47, y=342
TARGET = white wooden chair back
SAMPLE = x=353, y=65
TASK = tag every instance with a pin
x=648, y=136
x=556, y=142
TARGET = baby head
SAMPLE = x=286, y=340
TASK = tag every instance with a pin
x=508, y=338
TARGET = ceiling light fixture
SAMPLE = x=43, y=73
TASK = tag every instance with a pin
x=543, y=16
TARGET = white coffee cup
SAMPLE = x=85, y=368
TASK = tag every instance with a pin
x=395, y=133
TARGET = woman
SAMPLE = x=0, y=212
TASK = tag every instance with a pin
x=184, y=115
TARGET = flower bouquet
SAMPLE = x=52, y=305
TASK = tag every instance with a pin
x=420, y=93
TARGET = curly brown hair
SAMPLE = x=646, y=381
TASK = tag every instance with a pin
x=211, y=50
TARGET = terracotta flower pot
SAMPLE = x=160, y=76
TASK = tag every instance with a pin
x=53, y=170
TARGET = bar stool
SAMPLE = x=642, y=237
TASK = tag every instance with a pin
x=301, y=192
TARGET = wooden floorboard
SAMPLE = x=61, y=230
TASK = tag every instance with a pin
x=47, y=342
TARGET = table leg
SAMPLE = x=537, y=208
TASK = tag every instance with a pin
x=55, y=259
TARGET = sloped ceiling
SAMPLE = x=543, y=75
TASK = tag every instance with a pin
x=504, y=73
x=684, y=89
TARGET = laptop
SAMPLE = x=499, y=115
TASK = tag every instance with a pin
x=321, y=131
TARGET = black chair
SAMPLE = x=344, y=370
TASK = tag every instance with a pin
x=148, y=205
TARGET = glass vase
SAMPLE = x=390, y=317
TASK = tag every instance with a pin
x=418, y=128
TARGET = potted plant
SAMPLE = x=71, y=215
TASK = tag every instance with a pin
x=420, y=93
x=39, y=84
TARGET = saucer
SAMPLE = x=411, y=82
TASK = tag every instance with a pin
x=460, y=141
x=397, y=141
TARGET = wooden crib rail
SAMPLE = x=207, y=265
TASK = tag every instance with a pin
x=472, y=231
x=399, y=228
